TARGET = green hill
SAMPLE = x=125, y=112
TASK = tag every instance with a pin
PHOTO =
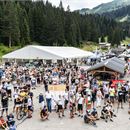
x=4, y=49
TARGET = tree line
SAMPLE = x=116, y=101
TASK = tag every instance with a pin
x=24, y=22
x=119, y=14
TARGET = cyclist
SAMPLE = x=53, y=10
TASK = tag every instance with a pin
x=24, y=98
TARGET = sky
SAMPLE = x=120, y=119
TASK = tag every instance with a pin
x=79, y=4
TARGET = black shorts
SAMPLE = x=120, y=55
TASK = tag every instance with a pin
x=112, y=98
x=74, y=105
x=60, y=107
x=66, y=102
x=86, y=119
x=9, y=91
x=15, y=87
x=120, y=100
x=106, y=96
x=80, y=107
x=4, y=107
x=93, y=100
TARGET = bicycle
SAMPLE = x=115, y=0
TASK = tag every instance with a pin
x=22, y=112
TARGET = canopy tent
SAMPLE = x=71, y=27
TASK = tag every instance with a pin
x=47, y=53
x=96, y=56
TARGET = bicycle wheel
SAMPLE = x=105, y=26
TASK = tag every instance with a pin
x=20, y=115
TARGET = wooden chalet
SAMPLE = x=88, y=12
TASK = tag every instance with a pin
x=111, y=68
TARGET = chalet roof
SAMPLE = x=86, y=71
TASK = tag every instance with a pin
x=114, y=64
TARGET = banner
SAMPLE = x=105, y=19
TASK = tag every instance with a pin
x=60, y=87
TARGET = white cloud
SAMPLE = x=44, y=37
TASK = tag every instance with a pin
x=79, y=4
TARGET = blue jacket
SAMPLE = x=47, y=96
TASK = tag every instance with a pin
x=41, y=98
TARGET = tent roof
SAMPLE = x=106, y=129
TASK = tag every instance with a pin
x=114, y=64
x=47, y=52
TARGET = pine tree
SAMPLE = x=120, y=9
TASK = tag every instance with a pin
x=23, y=26
x=10, y=27
x=116, y=37
x=102, y=39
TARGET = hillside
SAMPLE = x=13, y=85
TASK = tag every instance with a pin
x=121, y=15
x=4, y=49
x=107, y=7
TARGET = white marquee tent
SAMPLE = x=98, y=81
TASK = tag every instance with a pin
x=47, y=53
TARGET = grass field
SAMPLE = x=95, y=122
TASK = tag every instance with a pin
x=89, y=46
x=126, y=41
x=4, y=49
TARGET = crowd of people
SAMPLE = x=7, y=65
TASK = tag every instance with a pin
x=84, y=95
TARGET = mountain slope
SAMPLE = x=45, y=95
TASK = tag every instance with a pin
x=107, y=7
x=121, y=15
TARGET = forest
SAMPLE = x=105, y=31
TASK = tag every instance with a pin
x=38, y=22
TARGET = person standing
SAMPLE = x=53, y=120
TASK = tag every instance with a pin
x=93, y=97
x=66, y=96
x=60, y=106
x=120, y=98
x=112, y=94
x=99, y=97
x=33, y=82
x=49, y=100
x=80, y=101
x=106, y=92
x=9, y=89
x=41, y=101
x=4, y=102
x=15, y=96
x=124, y=93
x=45, y=85
x=72, y=106
x=30, y=107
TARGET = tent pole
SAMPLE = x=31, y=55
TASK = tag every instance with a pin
x=77, y=62
x=63, y=62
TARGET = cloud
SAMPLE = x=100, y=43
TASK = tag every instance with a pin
x=79, y=4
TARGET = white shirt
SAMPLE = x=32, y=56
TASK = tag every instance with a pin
x=29, y=102
x=126, y=87
x=80, y=101
x=9, y=87
x=0, y=86
x=60, y=102
x=99, y=94
x=73, y=87
x=48, y=95
x=77, y=96
x=66, y=95
x=76, y=81
x=105, y=90
x=15, y=95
